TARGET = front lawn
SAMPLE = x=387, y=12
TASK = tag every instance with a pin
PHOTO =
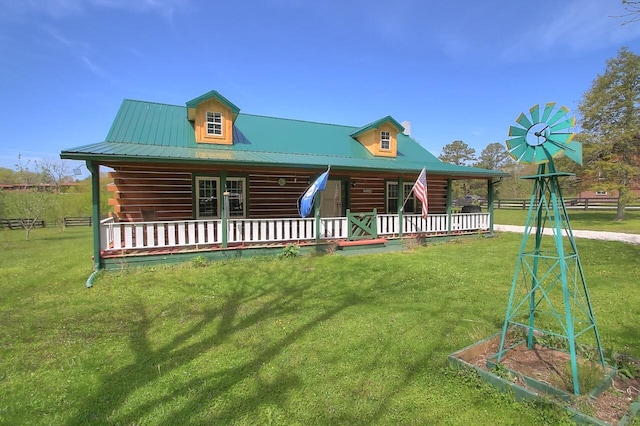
x=309, y=340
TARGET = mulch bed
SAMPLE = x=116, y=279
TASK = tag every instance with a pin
x=549, y=366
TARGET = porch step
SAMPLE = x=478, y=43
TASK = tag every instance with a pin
x=361, y=244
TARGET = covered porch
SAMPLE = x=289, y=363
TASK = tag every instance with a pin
x=122, y=239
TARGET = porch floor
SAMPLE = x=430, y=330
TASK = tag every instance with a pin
x=341, y=246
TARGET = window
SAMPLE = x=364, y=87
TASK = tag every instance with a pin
x=214, y=124
x=209, y=197
x=412, y=204
x=385, y=140
x=601, y=193
x=235, y=187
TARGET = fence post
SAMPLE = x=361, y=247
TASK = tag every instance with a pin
x=586, y=204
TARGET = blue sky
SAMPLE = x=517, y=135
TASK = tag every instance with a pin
x=455, y=70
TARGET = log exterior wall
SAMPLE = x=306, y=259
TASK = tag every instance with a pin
x=167, y=190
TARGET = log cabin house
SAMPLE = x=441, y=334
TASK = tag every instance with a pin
x=205, y=178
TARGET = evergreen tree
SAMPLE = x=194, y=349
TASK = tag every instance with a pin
x=610, y=112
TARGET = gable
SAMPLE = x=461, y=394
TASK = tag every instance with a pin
x=380, y=137
x=201, y=123
x=212, y=115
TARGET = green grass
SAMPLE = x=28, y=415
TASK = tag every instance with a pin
x=306, y=340
x=592, y=220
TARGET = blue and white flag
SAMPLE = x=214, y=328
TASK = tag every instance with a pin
x=306, y=202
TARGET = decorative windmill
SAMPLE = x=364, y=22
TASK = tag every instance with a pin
x=549, y=293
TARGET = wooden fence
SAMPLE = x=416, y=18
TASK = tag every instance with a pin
x=599, y=203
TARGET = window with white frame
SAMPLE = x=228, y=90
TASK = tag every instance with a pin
x=209, y=197
x=412, y=205
x=214, y=123
x=385, y=140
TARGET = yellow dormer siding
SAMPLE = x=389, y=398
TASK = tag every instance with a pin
x=215, y=109
x=212, y=115
x=379, y=137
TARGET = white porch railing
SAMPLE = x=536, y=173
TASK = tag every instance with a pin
x=164, y=234
x=270, y=230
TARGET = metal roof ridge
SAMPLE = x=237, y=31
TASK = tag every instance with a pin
x=296, y=119
x=153, y=102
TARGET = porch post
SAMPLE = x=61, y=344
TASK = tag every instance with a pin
x=449, y=184
x=94, y=168
x=490, y=184
x=223, y=217
x=400, y=191
x=316, y=215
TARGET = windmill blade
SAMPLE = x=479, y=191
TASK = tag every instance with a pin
x=523, y=120
x=527, y=156
x=539, y=155
x=512, y=143
x=562, y=138
x=548, y=108
x=574, y=152
x=553, y=149
x=570, y=122
x=558, y=115
x=517, y=131
x=517, y=150
x=535, y=113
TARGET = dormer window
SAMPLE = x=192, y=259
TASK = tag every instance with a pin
x=385, y=140
x=214, y=123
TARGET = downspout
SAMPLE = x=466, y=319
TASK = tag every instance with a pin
x=94, y=168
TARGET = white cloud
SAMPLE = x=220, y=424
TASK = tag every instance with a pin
x=64, y=8
x=578, y=26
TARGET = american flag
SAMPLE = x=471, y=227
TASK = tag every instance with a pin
x=420, y=189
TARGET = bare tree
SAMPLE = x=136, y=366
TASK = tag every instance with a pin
x=633, y=11
x=54, y=172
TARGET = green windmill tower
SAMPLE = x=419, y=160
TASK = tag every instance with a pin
x=549, y=294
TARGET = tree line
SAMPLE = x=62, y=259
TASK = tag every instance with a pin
x=45, y=190
x=609, y=121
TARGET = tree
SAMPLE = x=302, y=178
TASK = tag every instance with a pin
x=54, y=172
x=458, y=152
x=610, y=112
x=33, y=201
x=633, y=11
x=493, y=157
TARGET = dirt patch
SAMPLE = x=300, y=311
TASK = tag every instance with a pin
x=552, y=367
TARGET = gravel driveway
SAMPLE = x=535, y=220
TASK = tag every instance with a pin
x=593, y=235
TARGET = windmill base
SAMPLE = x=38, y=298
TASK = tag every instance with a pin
x=538, y=373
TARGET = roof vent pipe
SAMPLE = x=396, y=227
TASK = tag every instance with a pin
x=407, y=127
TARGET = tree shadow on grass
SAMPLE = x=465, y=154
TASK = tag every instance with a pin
x=117, y=387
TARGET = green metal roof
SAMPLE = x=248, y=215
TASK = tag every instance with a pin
x=377, y=123
x=213, y=94
x=153, y=132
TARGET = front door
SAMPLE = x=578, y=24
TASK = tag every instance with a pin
x=331, y=203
